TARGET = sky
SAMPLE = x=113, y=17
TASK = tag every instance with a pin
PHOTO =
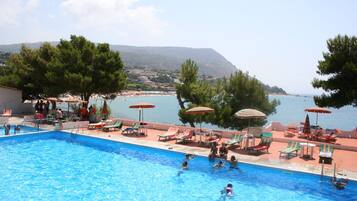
x=278, y=42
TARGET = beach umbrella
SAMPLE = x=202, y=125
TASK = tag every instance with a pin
x=53, y=100
x=71, y=99
x=200, y=110
x=306, y=128
x=249, y=114
x=318, y=110
x=141, y=106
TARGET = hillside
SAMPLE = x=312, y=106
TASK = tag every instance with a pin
x=156, y=68
x=209, y=61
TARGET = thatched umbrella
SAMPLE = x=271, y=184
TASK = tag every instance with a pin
x=249, y=114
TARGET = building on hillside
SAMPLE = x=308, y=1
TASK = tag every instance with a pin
x=11, y=98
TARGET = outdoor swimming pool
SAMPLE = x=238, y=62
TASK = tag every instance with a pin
x=23, y=129
x=60, y=166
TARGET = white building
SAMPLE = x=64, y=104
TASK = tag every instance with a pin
x=11, y=98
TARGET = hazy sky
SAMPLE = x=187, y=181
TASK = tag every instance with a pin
x=280, y=42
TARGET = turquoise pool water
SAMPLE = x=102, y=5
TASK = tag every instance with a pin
x=58, y=166
x=23, y=129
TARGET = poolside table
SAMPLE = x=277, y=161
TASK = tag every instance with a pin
x=307, y=150
x=248, y=141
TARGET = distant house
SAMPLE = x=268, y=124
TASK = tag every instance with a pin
x=11, y=98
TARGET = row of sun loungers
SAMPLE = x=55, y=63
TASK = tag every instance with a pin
x=173, y=133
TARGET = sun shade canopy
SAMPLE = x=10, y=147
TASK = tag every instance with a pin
x=249, y=114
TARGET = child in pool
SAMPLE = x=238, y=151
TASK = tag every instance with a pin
x=218, y=165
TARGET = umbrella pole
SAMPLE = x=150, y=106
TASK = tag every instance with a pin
x=139, y=115
x=317, y=117
x=142, y=114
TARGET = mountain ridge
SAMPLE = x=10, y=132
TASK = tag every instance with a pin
x=210, y=62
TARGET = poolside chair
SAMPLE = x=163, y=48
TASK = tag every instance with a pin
x=263, y=145
x=236, y=139
x=290, y=149
x=185, y=137
x=326, y=138
x=170, y=134
x=326, y=152
x=115, y=125
x=266, y=135
x=99, y=125
x=133, y=130
x=291, y=132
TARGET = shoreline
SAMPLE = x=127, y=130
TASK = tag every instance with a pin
x=133, y=93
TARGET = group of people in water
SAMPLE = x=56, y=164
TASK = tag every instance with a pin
x=220, y=153
x=7, y=129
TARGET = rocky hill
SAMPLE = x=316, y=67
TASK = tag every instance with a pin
x=209, y=61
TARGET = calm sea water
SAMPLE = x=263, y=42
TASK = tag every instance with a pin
x=291, y=110
x=67, y=167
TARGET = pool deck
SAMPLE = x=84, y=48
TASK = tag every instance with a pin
x=345, y=160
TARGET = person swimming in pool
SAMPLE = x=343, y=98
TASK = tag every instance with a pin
x=233, y=162
x=7, y=128
x=229, y=189
x=189, y=156
x=339, y=183
x=184, y=165
x=218, y=165
x=17, y=129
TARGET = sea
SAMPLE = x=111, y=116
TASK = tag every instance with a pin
x=290, y=110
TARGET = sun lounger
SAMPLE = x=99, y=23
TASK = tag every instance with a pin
x=98, y=125
x=115, y=125
x=170, y=134
x=326, y=152
x=263, y=145
x=266, y=135
x=185, y=137
x=290, y=149
x=134, y=130
x=326, y=138
x=236, y=139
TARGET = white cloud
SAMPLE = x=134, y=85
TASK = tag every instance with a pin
x=10, y=10
x=32, y=4
x=114, y=14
